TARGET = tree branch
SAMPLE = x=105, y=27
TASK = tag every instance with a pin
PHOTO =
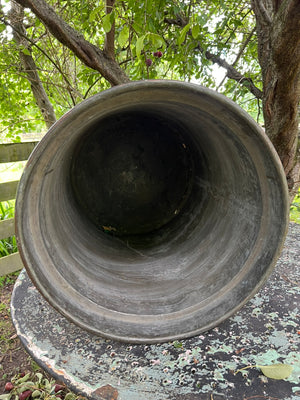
x=232, y=73
x=16, y=17
x=109, y=45
x=22, y=33
x=239, y=55
x=244, y=45
x=89, y=54
x=261, y=9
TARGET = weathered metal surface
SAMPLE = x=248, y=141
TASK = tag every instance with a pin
x=152, y=211
x=263, y=332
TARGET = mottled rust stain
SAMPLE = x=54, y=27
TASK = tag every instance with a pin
x=56, y=371
x=106, y=392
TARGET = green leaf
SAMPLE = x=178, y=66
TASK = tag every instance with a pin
x=90, y=79
x=202, y=19
x=183, y=33
x=5, y=396
x=177, y=345
x=39, y=376
x=69, y=396
x=123, y=36
x=28, y=385
x=26, y=52
x=93, y=14
x=36, y=393
x=23, y=379
x=139, y=45
x=156, y=40
x=107, y=23
x=195, y=31
x=276, y=371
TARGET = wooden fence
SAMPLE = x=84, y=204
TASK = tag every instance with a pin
x=11, y=152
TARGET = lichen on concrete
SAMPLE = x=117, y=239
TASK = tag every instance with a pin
x=263, y=332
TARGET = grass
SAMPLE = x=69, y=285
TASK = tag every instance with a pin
x=4, y=327
x=7, y=245
x=295, y=209
x=17, y=368
x=5, y=323
x=9, y=172
x=8, y=280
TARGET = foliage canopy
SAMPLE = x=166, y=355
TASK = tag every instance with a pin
x=182, y=31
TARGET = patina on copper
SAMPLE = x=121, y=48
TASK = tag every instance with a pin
x=152, y=211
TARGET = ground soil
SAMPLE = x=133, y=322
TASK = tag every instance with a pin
x=13, y=357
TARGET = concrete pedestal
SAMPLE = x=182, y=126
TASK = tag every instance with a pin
x=263, y=332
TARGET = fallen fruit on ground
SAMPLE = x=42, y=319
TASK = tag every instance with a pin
x=24, y=395
x=58, y=387
x=9, y=386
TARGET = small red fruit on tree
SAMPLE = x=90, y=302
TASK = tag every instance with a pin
x=157, y=54
x=148, y=62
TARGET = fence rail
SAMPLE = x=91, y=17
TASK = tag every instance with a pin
x=11, y=152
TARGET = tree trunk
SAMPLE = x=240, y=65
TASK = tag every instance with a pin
x=278, y=34
x=28, y=64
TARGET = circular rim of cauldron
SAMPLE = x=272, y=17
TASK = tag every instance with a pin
x=144, y=321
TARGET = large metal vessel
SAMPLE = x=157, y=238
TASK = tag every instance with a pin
x=152, y=211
